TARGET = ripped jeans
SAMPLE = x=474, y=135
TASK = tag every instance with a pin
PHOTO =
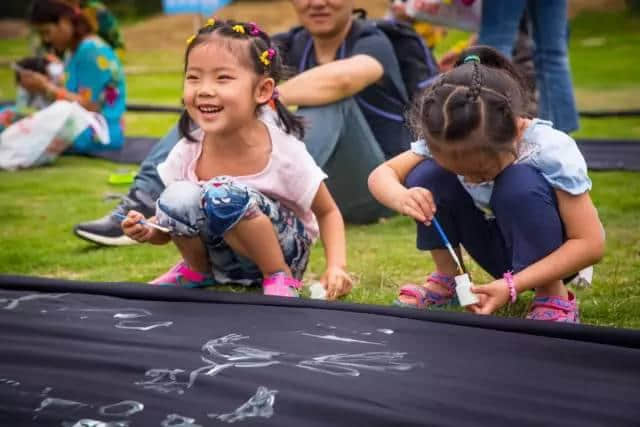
x=211, y=210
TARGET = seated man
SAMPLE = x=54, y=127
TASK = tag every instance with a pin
x=349, y=88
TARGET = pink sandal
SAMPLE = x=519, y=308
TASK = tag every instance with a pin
x=181, y=275
x=279, y=284
x=555, y=309
x=426, y=298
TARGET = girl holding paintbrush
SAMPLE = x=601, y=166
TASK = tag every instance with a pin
x=513, y=190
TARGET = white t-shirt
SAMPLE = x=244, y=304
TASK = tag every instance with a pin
x=291, y=176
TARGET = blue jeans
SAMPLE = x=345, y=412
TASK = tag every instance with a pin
x=339, y=140
x=499, y=29
x=527, y=225
x=147, y=180
x=211, y=210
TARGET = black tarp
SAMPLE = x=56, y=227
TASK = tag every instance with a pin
x=121, y=354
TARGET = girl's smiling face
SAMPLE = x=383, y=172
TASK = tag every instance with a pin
x=221, y=91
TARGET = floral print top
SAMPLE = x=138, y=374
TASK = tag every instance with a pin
x=94, y=71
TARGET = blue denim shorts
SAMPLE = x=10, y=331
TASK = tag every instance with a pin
x=211, y=210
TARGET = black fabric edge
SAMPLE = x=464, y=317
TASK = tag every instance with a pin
x=620, y=337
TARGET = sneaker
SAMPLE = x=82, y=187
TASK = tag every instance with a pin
x=181, y=275
x=106, y=230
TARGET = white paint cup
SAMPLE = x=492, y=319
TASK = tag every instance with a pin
x=317, y=290
x=463, y=289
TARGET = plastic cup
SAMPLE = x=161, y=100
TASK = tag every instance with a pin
x=463, y=289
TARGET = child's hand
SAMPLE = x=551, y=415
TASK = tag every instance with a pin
x=492, y=296
x=33, y=81
x=132, y=227
x=337, y=282
x=417, y=202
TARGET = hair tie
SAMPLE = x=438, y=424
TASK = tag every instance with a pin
x=210, y=22
x=190, y=39
x=471, y=58
x=255, y=30
x=238, y=28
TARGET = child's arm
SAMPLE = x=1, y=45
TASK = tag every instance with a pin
x=386, y=183
x=584, y=247
x=141, y=233
x=335, y=278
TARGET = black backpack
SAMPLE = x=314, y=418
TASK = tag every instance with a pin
x=417, y=64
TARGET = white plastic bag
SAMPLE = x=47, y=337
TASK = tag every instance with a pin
x=41, y=137
x=447, y=13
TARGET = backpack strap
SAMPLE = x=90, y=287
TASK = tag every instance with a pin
x=297, y=45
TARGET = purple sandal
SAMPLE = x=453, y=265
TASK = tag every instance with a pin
x=279, y=284
x=426, y=298
x=555, y=309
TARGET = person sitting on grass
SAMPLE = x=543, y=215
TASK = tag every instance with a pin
x=94, y=77
x=513, y=190
x=244, y=200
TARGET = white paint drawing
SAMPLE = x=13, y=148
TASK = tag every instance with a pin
x=343, y=339
x=12, y=303
x=259, y=405
x=351, y=364
x=86, y=422
x=55, y=404
x=175, y=420
x=12, y=383
x=125, y=316
x=332, y=328
x=228, y=352
x=124, y=408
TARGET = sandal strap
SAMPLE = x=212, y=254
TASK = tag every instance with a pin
x=415, y=291
x=281, y=280
x=443, y=280
x=553, y=308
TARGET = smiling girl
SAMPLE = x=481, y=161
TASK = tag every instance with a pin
x=244, y=198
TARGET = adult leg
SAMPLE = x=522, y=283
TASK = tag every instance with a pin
x=500, y=24
x=341, y=142
x=557, y=101
x=144, y=191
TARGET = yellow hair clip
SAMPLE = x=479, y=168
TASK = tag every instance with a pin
x=210, y=22
x=238, y=28
x=190, y=39
x=264, y=58
x=267, y=56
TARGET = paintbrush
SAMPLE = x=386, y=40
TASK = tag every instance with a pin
x=144, y=222
x=446, y=242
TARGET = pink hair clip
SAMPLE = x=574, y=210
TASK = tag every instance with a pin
x=271, y=53
x=255, y=30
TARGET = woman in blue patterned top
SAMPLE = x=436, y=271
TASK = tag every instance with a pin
x=93, y=74
x=512, y=190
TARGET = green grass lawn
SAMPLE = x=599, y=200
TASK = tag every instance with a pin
x=39, y=207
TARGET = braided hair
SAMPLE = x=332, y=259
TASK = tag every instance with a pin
x=483, y=93
x=262, y=56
